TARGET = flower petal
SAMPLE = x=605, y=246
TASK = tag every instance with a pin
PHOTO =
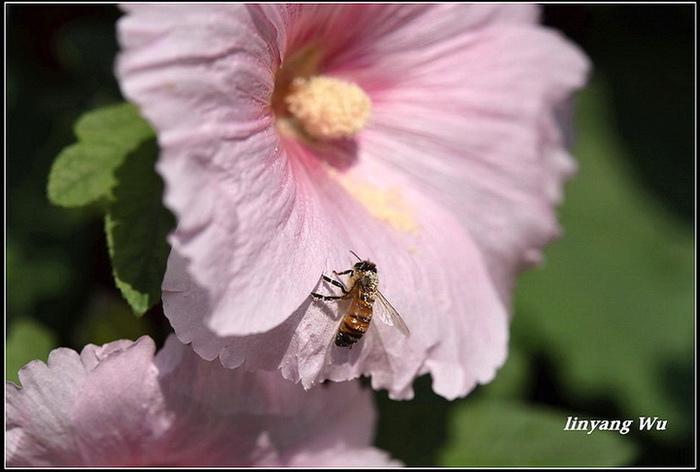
x=129, y=408
x=119, y=392
x=361, y=37
x=39, y=424
x=483, y=143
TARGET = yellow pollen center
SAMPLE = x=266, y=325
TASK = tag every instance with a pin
x=328, y=108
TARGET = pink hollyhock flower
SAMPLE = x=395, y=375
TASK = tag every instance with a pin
x=422, y=137
x=119, y=405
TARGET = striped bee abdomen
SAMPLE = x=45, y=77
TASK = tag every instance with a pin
x=351, y=330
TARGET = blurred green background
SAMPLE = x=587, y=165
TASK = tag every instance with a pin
x=604, y=329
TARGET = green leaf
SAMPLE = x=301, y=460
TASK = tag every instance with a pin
x=114, y=161
x=83, y=172
x=137, y=225
x=506, y=433
x=613, y=307
x=27, y=340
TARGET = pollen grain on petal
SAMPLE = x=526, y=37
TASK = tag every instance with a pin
x=385, y=204
x=327, y=107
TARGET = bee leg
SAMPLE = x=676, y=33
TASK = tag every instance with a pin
x=326, y=297
x=336, y=283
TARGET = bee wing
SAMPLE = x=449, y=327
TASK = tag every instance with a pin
x=388, y=314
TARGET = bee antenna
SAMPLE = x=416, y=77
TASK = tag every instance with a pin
x=358, y=257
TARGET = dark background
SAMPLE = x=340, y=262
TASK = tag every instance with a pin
x=59, y=64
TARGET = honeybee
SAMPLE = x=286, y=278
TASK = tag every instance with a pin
x=363, y=292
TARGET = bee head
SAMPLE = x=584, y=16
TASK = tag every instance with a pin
x=363, y=266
